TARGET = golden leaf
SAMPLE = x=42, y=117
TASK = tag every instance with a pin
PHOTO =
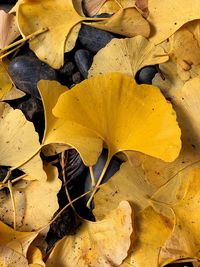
x=8, y=29
x=62, y=132
x=5, y=81
x=35, y=258
x=91, y=246
x=19, y=141
x=115, y=108
x=35, y=201
x=93, y=6
x=127, y=56
x=183, y=200
x=167, y=16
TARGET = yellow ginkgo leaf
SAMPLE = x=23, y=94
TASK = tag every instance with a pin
x=91, y=245
x=127, y=21
x=8, y=29
x=11, y=258
x=19, y=141
x=93, y=6
x=5, y=81
x=167, y=16
x=18, y=241
x=35, y=201
x=126, y=116
x=58, y=131
x=152, y=230
x=184, y=202
x=127, y=56
x=35, y=257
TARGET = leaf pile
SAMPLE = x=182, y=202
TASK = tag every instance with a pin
x=147, y=213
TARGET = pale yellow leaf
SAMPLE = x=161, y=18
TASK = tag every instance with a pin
x=127, y=56
x=35, y=257
x=101, y=244
x=11, y=258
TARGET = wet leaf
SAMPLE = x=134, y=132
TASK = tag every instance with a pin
x=123, y=128
x=127, y=56
x=91, y=245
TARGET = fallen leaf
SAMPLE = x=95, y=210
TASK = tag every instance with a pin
x=11, y=258
x=35, y=258
x=18, y=241
x=8, y=29
x=123, y=128
x=93, y=6
x=127, y=56
x=184, y=202
x=127, y=21
x=167, y=16
x=103, y=243
x=152, y=230
x=143, y=6
x=5, y=82
x=58, y=131
x=35, y=201
x=19, y=141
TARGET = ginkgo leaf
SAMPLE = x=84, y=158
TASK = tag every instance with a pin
x=183, y=200
x=127, y=21
x=58, y=131
x=11, y=258
x=8, y=29
x=19, y=141
x=127, y=56
x=152, y=230
x=131, y=105
x=7, y=90
x=91, y=245
x=18, y=241
x=35, y=201
x=167, y=16
x=93, y=6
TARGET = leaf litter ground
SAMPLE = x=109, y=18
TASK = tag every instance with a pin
x=99, y=133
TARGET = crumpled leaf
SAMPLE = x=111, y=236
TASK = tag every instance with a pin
x=8, y=29
x=183, y=200
x=152, y=230
x=127, y=56
x=59, y=131
x=18, y=241
x=127, y=21
x=19, y=141
x=123, y=128
x=11, y=258
x=167, y=16
x=36, y=201
x=91, y=245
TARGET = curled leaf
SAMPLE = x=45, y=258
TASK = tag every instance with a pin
x=127, y=56
x=91, y=245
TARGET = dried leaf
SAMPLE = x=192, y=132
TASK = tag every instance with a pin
x=8, y=29
x=5, y=82
x=93, y=6
x=18, y=241
x=127, y=56
x=35, y=258
x=167, y=16
x=19, y=141
x=11, y=258
x=123, y=128
x=62, y=132
x=91, y=245
x=127, y=21
x=36, y=202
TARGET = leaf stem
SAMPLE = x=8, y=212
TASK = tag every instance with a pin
x=32, y=35
x=92, y=176
x=11, y=51
x=99, y=180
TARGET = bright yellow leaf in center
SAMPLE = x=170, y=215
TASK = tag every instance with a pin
x=126, y=116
